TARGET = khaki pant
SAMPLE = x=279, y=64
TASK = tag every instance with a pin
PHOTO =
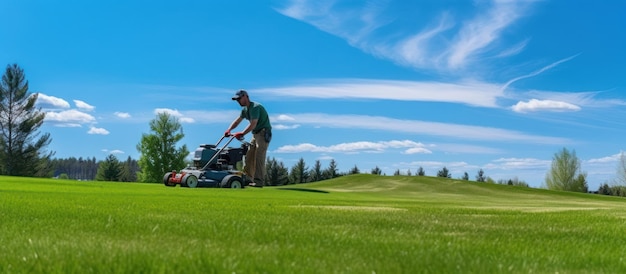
x=254, y=166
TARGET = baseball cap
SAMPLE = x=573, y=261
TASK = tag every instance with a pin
x=240, y=93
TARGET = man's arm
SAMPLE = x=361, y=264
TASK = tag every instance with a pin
x=251, y=126
x=233, y=125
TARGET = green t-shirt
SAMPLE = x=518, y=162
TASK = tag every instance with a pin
x=257, y=111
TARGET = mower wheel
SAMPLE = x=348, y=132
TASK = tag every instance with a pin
x=166, y=179
x=191, y=180
x=234, y=182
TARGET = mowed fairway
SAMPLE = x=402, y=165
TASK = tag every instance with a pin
x=352, y=224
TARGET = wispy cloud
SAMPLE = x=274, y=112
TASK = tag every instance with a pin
x=470, y=93
x=444, y=45
x=455, y=131
x=535, y=73
x=410, y=147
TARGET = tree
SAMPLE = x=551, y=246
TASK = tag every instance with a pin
x=130, y=168
x=565, y=173
x=465, y=176
x=158, y=150
x=376, y=171
x=299, y=172
x=480, y=177
x=397, y=172
x=332, y=171
x=317, y=173
x=421, y=172
x=621, y=170
x=354, y=170
x=512, y=182
x=22, y=149
x=277, y=174
x=109, y=170
x=445, y=173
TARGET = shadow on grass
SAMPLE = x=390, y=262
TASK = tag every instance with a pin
x=304, y=189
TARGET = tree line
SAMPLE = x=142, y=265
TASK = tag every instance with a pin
x=23, y=152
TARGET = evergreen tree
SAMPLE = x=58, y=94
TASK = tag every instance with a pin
x=465, y=176
x=480, y=177
x=421, y=172
x=130, y=168
x=332, y=170
x=355, y=170
x=22, y=149
x=445, y=173
x=317, y=174
x=377, y=171
x=299, y=172
x=158, y=150
x=397, y=172
x=109, y=170
x=277, y=174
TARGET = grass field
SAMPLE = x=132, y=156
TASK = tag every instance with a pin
x=352, y=224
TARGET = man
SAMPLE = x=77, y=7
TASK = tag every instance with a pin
x=254, y=166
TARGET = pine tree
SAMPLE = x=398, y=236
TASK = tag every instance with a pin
x=22, y=149
x=480, y=177
x=277, y=174
x=109, y=170
x=355, y=170
x=317, y=173
x=332, y=170
x=299, y=173
x=445, y=173
x=421, y=172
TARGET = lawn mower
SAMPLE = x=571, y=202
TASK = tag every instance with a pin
x=213, y=166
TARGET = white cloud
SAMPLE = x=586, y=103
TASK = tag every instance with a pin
x=98, y=131
x=282, y=117
x=284, y=127
x=123, y=115
x=175, y=113
x=535, y=105
x=444, y=45
x=519, y=163
x=609, y=159
x=83, y=106
x=470, y=92
x=456, y=131
x=51, y=102
x=71, y=116
x=116, y=151
x=357, y=147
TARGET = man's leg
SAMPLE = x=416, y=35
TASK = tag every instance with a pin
x=250, y=163
x=260, y=155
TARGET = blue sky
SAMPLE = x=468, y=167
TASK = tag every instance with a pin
x=498, y=85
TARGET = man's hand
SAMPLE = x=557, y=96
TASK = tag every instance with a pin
x=227, y=133
x=239, y=135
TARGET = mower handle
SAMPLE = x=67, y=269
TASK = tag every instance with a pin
x=231, y=136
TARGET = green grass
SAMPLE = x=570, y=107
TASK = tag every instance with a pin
x=352, y=224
